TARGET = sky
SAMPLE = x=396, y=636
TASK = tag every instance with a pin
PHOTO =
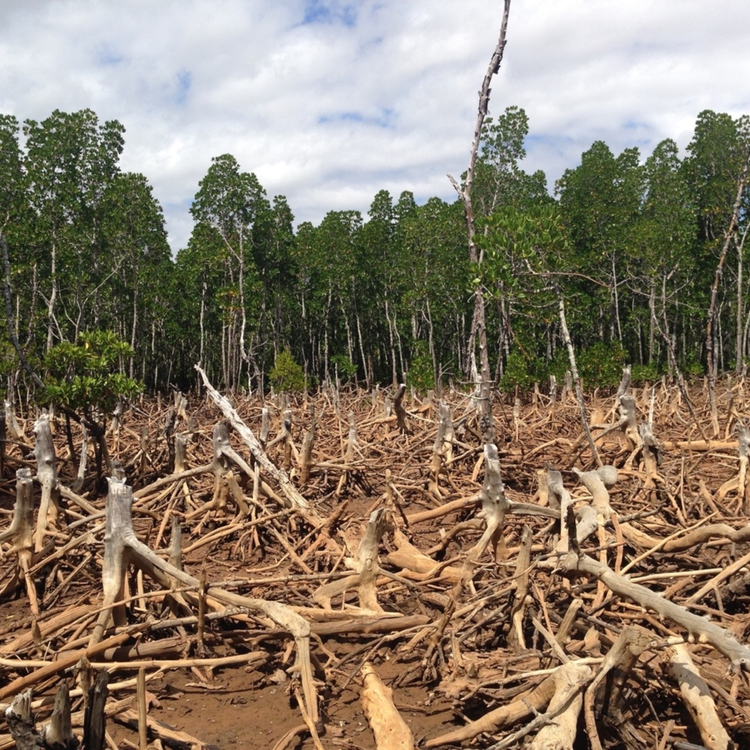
x=330, y=101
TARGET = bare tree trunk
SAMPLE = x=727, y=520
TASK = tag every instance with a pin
x=53, y=292
x=577, y=381
x=711, y=326
x=479, y=326
x=740, y=340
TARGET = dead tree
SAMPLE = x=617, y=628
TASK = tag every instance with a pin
x=479, y=324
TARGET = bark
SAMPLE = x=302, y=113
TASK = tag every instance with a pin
x=365, y=565
x=294, y=498
x=121, y=548
x=494, y=507
x=44, y=452
x=577, y=381
x=698, y=627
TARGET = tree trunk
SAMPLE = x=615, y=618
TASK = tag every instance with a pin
x=479, y=324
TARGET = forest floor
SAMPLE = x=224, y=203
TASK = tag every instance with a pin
x=393, y=566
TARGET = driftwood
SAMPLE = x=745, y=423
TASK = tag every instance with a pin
x=390, y=730
x=122, y=548
x=482, y=576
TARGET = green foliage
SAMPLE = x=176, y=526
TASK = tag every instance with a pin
x=629, y=243
x=421, y=375
x=600, y=365
x=345, y=368
x=82, y=376
x=641, y=374
x=521, y=371
x=287, y=376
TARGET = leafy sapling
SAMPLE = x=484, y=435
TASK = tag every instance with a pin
x=83, y=380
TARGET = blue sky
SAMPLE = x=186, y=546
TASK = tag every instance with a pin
x=329, y=101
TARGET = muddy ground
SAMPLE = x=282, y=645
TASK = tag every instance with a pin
x=454, y=640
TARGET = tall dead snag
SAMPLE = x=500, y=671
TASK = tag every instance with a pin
x=122, y=548
x=46, y=474
x=294, y=498
x=479, y=324
x=576, y=379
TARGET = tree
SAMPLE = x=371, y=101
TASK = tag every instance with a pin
x=229, y=207
x=663, y=267
x=83, y=379
x=70, y=161
x=479, y=323
x=499, y=179
x=432, y=242
x=717, y=165
x=600, y=202
x=134, y=237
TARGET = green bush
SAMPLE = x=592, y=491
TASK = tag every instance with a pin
x=345, y=368
x=600, y=365
x=421, y=375
x=286, y=375
x=641, y=374
x=520, y=372
x=81, y=376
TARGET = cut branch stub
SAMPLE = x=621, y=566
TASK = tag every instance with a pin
x=494, y=507
x=366, y=567
x=596, y=482
x=398, y=407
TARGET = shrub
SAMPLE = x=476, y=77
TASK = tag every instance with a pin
x=520, y=372
x=286, y=375
x=421, y=375
x=82, y=377
x=600, y=365
x=345, y=368
x=641, y=374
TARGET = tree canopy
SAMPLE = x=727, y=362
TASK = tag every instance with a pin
x=647, y=250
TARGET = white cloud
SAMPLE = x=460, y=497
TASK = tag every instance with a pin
x=370, y=94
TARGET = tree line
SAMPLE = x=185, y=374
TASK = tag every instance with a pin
x=647, y=253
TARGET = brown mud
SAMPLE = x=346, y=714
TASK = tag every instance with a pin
x=444, y=612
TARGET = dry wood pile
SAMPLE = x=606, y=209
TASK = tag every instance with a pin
x=349, y=572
